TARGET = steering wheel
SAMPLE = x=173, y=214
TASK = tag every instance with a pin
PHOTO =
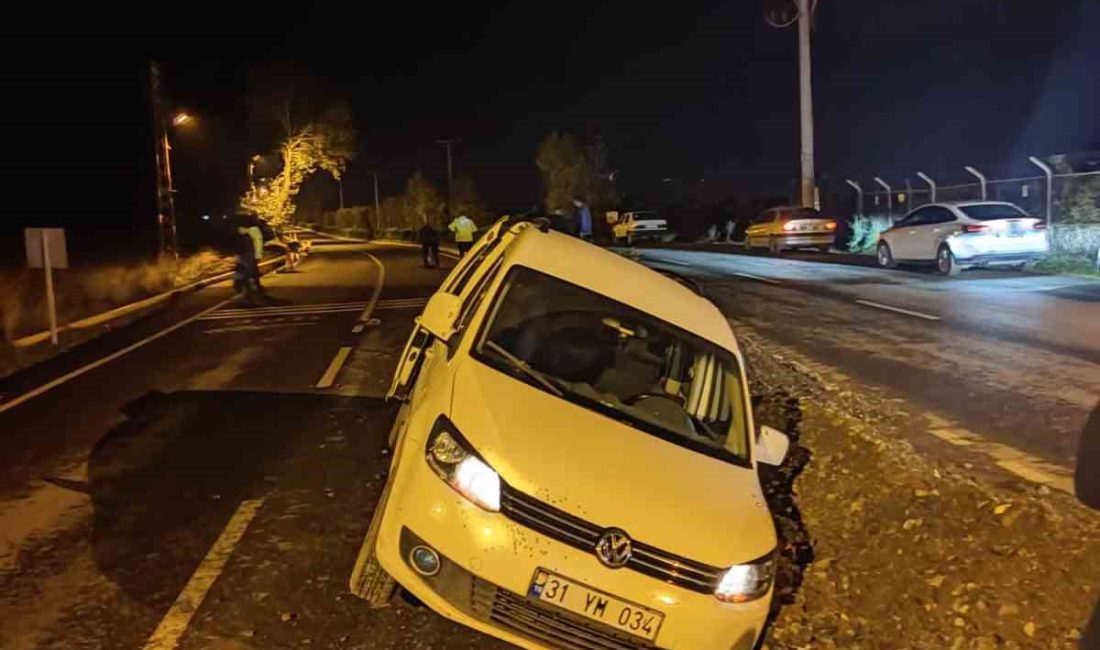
x=634, y=399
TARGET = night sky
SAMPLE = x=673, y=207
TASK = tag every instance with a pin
x=689, y=90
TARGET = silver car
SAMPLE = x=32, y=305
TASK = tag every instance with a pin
x=959, y=235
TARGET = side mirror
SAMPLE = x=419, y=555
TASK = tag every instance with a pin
x=440, y=314
x=772, y=446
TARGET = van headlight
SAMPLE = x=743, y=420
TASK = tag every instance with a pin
x=745, y=582
x=452, y=458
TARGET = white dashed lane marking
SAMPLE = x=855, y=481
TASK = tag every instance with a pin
x=334, y=366
x=174, y=624
x=897, y=310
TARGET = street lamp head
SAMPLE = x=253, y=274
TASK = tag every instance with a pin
x=180, y=118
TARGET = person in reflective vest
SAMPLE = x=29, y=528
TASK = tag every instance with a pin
x=463, y=228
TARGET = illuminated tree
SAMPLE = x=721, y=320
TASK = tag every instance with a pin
x=422, y=202
x=570, y=170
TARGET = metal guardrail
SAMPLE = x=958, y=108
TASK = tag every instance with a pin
x=125, y=310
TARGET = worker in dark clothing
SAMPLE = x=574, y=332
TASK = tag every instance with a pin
x=1087, y=486
x=429, y=245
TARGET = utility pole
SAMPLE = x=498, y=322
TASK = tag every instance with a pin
x=450, y=175
x=340, y=184
x=806, y=103
x=780, y=19
x=166, y=208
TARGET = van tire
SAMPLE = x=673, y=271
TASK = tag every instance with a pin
x=774, y=246
x=369, y=580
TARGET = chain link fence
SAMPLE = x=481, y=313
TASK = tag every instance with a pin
x=1071, y=195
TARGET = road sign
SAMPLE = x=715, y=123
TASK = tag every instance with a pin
x=46, y=250
x=41, y=241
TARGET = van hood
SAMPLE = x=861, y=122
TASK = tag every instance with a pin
x=609, y=473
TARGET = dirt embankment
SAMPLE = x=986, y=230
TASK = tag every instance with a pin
x=886, y=547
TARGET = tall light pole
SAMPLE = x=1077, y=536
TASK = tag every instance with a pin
x=781, y=19
x=340, y=185
x=450, y=175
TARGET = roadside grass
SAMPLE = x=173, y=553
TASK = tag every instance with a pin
x=1065, y=264
x=85, y=291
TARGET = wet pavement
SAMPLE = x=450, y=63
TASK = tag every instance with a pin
x=203, y=492
x=1013, y=358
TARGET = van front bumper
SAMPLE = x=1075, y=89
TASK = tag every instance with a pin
x=488, y=562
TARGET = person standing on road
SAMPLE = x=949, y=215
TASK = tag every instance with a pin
x=429, y=245
x=584, y=220
x=463, y=228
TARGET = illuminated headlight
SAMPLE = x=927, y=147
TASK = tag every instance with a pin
x=455, y=462
x=745, y=582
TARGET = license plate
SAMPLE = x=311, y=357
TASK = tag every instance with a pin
x=596, y=605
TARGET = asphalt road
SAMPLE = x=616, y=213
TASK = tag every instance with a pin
x=210, y=489
x=1011, y=357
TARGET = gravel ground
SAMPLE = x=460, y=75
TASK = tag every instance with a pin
x=888, y=547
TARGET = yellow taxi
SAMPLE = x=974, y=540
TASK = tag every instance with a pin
x=787, y=227
x=575, y=459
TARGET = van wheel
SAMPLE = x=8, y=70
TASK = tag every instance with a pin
x=774, y=246
x=746, y=245
x=369, y=580
x=886, y=256
x=946, y=263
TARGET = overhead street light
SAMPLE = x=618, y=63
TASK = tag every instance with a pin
x=181, y=118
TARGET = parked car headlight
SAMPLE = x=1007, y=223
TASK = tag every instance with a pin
x=455, y=461
x=745, y=582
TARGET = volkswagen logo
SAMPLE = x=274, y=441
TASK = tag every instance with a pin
x=614, y=548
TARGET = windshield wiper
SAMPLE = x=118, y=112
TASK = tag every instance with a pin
x=523, y=366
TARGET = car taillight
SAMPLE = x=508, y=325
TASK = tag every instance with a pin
x=1039, y=225
x=975, y=227
x=830, y=225
x=789, y=226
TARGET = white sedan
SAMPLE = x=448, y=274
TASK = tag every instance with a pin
x=959, y=235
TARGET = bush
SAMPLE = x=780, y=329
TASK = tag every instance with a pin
x=865, y=230
x=1075, y=239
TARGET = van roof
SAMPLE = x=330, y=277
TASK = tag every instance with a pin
x=621, y=279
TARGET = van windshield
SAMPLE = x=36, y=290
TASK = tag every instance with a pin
x=613, y=359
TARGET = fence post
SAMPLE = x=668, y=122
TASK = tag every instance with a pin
x=889, y=197
x=859, y=193
x=981, y=179
x=1050, y=184
x=931, y=184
